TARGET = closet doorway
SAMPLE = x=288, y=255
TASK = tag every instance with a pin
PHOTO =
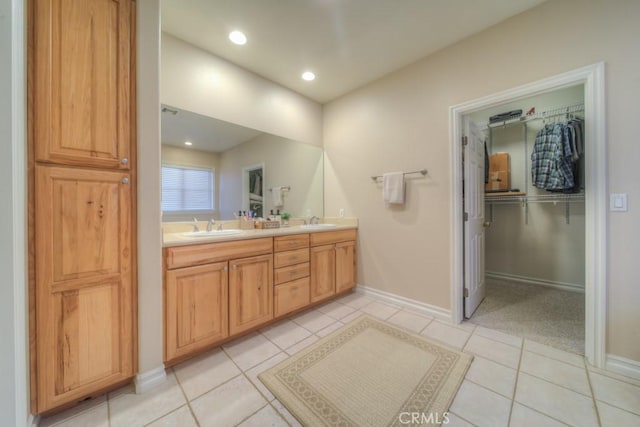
x=534, y=240
x=585, y=210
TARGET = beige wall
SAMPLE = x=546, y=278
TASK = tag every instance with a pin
x=187, y=157
x=286, y=163
x=401, y=123
x=198, y=81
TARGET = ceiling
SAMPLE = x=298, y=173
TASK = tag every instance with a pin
x=205, y=133
x=346, y=43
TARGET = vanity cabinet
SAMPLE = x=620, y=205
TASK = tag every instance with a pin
x=333, y=267
x=81, y=191
x=213, y=291
x=291, y=274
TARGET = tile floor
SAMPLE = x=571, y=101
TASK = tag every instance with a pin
x=511, y=382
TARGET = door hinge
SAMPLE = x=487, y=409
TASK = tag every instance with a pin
x=465, y=141
x=466, y=292
x=466, y=216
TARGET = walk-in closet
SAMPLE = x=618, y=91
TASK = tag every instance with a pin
x=534, y=211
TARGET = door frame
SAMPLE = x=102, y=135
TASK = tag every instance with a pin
x=593, y=78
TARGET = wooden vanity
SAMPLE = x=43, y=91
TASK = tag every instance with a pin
x=214, y=292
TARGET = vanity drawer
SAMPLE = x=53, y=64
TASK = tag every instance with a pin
x=293, y=272
x=291, y=296
x=327, y=237
x=186, y=256
x=283, y=259
x=295, y=241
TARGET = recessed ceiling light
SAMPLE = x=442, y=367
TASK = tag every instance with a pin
x=188, y=143
x=238, y=37
x=308, y=76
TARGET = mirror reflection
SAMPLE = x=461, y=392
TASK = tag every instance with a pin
x=216, y=169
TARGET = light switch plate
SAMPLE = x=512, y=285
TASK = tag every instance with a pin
x=618, y=202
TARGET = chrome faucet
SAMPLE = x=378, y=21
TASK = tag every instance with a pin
x=314, y=220
x=210, y=224
x=195, y=225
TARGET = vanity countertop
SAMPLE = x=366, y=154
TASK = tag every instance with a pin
x=180, y=239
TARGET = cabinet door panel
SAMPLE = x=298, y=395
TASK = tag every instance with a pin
x=250, y=292
x=82, y=81
x=323, y=272
x=84, y=292
x=196, y=308
x=345, y=266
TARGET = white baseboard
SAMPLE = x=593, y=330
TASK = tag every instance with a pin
x=145, y=381
x=623, y=366
x=420, y=307
x=33, y=420
x=573, y=287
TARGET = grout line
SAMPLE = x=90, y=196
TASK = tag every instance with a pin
x=278, y=412
x=462, y=418
x=542, y=413
x=184, y=393
x=515, y=385
x=593, y=395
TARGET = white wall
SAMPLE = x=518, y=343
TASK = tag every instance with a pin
x=13, y=305
x=400, y=122
x=286, y=163
x=198, y=81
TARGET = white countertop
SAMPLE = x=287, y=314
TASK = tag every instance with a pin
x=179, y=239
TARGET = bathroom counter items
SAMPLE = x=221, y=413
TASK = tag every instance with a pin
x=181, y=234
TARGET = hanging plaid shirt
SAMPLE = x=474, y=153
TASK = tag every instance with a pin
x=551, y=166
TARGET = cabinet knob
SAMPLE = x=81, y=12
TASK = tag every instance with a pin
x=125, y=180
x=225, y=268
x=124, y=161
x=234, y=267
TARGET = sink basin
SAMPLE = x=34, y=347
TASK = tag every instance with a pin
x=212, y=233
x=317, y=226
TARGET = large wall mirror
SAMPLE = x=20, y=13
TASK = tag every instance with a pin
x=213, y=169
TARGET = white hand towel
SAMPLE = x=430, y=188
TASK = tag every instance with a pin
x=276, y=197
x=393, y=187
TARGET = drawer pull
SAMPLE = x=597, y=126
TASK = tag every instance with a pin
x=234, y=267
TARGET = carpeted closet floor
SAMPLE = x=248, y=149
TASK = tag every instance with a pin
x=549, y=316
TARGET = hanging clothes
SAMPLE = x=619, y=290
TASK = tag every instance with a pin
x=555, y=159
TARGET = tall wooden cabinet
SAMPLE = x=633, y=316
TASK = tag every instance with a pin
x=81, y=198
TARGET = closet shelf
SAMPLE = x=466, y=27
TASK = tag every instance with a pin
x=537, y=198
x=543, y=115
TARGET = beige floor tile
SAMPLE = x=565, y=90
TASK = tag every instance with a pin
x=380, y=310
x=251, y=350
x=326, y=331
x=492, y=375
x=285, y=334
x=614, y=375
x=554, y=353
x=265, y=417
x=480, y=406
x=181, y=417
x=610, y=416
x=253, y=373
x=314, y=320
x=130, y=409
x=228, y=404
x=302, y=345
x=353, y=316
x=449, y=335
x=204, y=373
x=555, y=401
x=521, y=416
x=456, y=421
x=336, y=310
x=96, y=416
x=72, y=412
x=355, y=300
x=554, y=371
x=498, y=336
x=410, y=321
x=617, y=393
x=493, y=350
x=466, y=326
x=293, y=422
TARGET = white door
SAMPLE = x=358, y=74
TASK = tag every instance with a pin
x=474, y=218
